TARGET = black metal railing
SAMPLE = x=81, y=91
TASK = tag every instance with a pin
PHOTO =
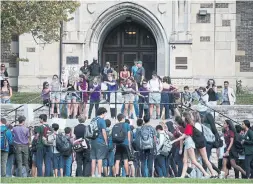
x=79, y=96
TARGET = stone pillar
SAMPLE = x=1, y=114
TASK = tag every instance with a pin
x=28, y=113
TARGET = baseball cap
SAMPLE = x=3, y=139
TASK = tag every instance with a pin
x=139, y=62
x=2, y=65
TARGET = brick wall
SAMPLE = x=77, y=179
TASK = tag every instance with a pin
x=244, y=35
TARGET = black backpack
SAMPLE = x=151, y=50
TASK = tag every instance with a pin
x=198, y=138
x=63, y=145
x=118, y=135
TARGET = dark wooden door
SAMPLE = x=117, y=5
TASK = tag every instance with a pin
x=129, y=42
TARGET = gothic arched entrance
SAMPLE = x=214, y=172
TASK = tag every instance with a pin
x=127, y=42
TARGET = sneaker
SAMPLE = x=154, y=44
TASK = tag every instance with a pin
x=222, y=175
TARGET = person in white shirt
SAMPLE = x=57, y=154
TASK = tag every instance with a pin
x=203, y=101
x=155, y=87
x=160, y=161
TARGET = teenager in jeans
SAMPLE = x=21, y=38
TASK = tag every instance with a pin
x=247, y=142
x=4, y=147
x=57, y=157
x=67, y=161
x=160, y=160
x=21, y=142
x=147, y=156
x=44, y=152
x=189, y=149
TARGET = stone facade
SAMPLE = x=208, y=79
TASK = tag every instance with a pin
x=214, y=37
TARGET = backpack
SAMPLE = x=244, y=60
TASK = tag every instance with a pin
x=208, y=134
x=118, y=135
x=198, y=138
x=218, y=141
x=80, y=146
x=166, y=147
x=63, y=145
x=4, y=140
x=146, y=138
x=46, y=132
x=91, y=131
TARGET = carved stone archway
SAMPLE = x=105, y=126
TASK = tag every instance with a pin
x=117, y=14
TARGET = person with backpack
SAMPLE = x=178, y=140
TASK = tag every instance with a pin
x=99, y=144
x=21, y=137
x=147, y=139
x=247, y=143
x=83, y=160
x=57, y=157
x=202, y=148
x=108, y=162
x=189, y=146
x=6, y=141
x=44, y=150
x=160, y=160
x=121, y=136
x=67, y=158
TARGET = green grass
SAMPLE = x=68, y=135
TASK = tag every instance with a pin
x=34, y=98
x=119, y=180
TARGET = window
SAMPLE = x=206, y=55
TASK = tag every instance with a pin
x=206, y=5
x=203, y=18
x=181, y=63
x=221, y=5
x=130, y=36
x=112, y=40
x=225, y=23
x=205, y=39
x=147, y=39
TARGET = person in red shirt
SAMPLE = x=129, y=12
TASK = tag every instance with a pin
x=189, y=149
x=231, y=152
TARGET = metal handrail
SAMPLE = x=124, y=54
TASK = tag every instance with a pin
x=202, y=103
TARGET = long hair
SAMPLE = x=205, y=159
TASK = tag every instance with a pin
x=209, y=119
x=196, y=117
x=230, y=125
x=8, y=84
x=180, y=121
x=188, y=117
x=208, y=82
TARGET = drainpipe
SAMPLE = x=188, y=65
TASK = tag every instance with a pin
x=60, y=50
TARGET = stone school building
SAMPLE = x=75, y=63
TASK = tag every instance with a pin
x=189, y=40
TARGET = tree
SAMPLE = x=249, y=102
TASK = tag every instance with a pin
x=40, y=18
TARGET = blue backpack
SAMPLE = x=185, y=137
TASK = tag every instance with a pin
x=4, y=140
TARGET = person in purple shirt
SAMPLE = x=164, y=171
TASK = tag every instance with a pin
x=95, y=92
x=143, y=99
x=21, y=142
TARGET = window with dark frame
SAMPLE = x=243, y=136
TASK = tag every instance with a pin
x=181, y=63
x=203, y=18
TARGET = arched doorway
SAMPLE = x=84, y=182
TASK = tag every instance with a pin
x=127, y=42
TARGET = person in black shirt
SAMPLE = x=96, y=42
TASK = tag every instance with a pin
x=95, y=68
x=82, y=158
x=212, y=92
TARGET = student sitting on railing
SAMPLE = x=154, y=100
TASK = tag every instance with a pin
x=71, y=99
x=82, y=86
x=6, y=92
x=45, y=94
x=95, y=94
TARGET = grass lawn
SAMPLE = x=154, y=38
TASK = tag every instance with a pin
x=34, y=98
x=119, y=180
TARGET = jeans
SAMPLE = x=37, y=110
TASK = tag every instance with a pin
x=164, y=104
x=160, y=166
x=248, y=160
x=5, y=101
x=83, y=164
x=171, y=165
x=147, y=160
x=22, y=155
x=179, y=162
x=67, y=165
x=4, y=157
x=9, y=165
x=45, y=155
x=92, y=103
x=141, y=107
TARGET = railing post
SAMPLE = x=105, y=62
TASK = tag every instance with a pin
x=115, y=104
x=181, y=102
x=15, y=116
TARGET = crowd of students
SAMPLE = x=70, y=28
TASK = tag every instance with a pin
x=179, y=147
